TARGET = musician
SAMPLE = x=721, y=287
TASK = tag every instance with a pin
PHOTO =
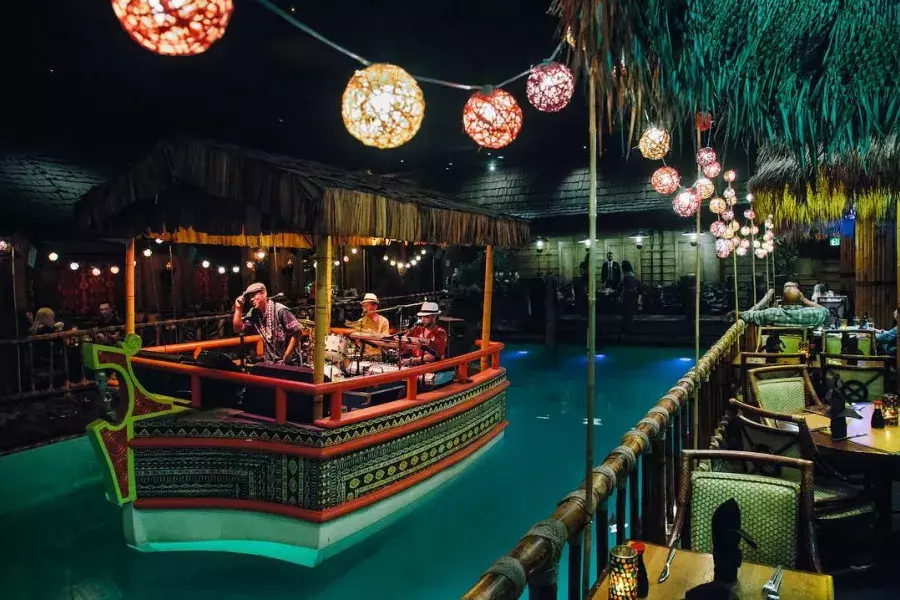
x=277, y=326
x=371, y=322
x=427, y=328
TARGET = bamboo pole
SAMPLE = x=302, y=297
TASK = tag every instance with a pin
x=323, y=316
x=488, y=302
x=15, y=302
x=767, y=267
x=753, y=259
x=592, y=332
x=897, y=244
x=129, y=286
x=737, y=304
x=697, y=283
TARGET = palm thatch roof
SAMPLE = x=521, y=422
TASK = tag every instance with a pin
x=821, y=189
x=809, y=73
x=201, y=191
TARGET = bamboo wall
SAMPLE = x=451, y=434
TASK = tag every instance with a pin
x=876, y=272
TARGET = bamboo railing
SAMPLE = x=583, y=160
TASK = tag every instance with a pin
x=646, y=464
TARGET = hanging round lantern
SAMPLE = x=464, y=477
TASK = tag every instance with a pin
x=729, y=194
x=769, y=245
x=754, y=230
x=174, y=27
x=382, y=106
x=749, y=214
x=734, y=226
x=550, y=87
x=728, y=215
x=745, y=230
x=741, y=250
x=703, y=122
x=686, y=204
x=745, y=244
x=723, y=248
x=665, y=180
x=729, y=175
x=706, y=156
x=654, y=143
x=705, y=188
x=718, y=228
x=760, y=253
x=717, y=206
x=492, y=118
x=757, y=244
x=768, y=236
x=712, y=170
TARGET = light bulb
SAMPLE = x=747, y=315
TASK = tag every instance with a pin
x=408, y=265
x=250, y=264
x=53, y=256
x=205, y=264
x=95, y=272
x=346, y=259
x=221, y=270
x=540, y=244
x=235, y=269
x=423, y=251
x=148, y=253
x=74, y=266
x=337, y=263
x=159, y=240
x=114, y=270
x=385, y=257
x=393, y=262
x=353, y=250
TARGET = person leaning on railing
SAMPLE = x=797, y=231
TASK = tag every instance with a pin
x=795, y=311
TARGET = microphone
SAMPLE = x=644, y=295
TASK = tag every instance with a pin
x=278, y=296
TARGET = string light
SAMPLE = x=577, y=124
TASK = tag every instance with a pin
x=221, y=270
x=729, y=175
x=423, y=251
x=53, y=257
x=235, y=269
x=205, y=264
x=114, y=270
x=174, y=27
x=385, y=257
x=685, y=204
x=148, y=253
x=260, y=255
x=337, y=263
x=353, y=250
x=712, y=170
x=74, y=266
x=159, y=240
x=249, y=264
x=346, y=259
x=95, y=272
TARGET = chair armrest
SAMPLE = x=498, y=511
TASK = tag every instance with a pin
x=676, y=528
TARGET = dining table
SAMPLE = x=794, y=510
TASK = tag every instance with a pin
x=690, y=569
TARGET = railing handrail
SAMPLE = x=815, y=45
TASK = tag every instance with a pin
x=534, y=552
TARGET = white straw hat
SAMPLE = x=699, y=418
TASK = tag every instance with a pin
x=429, y=309
x=370, y=297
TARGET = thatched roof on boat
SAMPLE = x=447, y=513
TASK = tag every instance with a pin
x=822, y=189
x=201, y=191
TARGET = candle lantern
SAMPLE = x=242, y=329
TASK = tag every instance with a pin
x=623, y=571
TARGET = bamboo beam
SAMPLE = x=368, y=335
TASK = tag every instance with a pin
x=323, y=316
x=129, y=286
x=488, y=301
x=737, y=303
x=592, y=329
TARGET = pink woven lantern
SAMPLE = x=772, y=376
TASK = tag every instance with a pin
x=492, y=119
x=712, y=171
x=745, y=244
x=754, y=230
x=729, y=194
x=706, y=157
x=760, y=253
x=718, y=228
x=704, y=188
x=665, y=180
x=717, y=206
x=768, y=236
x=723, y=248
x=686, y=204
x=550, y=87
x=171, y=28
x=745, y=230
x=728, y=215
x=741, y=250
x=729, y=175
x=749, y=214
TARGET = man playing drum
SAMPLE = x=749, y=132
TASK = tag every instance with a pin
x=371, y=322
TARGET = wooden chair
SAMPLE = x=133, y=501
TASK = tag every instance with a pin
x=832, y=341
x=864, y=377
x=793, y=338
x=785, y=389
x=753, y=360
x=776, y=512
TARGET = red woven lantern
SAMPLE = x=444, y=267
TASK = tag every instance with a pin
x=665, y=180
x=728, y=215
x=174, y=27
x=550, y=87
x=492, y=119
x=685, y=204
x=718, y=228
x=703, y=121
x=749, y=214
x=712, y=171
x=706, y=156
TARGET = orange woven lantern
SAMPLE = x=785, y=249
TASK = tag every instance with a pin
x=665, y=180
x=550, y=87
x=383, y=106
x=729, y=175
x=492, y=118
x=174, y=27
x=717, y=205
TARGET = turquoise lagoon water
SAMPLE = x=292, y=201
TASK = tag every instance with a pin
x=59, y=538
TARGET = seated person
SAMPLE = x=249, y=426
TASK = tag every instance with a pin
x=371, y=322
x=427, y=328
x=887, y=339
x=795, y=311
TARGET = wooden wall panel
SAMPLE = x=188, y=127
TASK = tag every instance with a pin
x=876, y=272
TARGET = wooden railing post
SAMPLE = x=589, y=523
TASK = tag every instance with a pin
x=196, y=399
x=601, y=535
x=411, y=387
x=635, y=505
x=336, y=406
x=574, y=577
x=659, y=478
x=621, y=509
x=280, y=406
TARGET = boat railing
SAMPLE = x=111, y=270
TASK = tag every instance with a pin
x=333, y=390
x=640, y=475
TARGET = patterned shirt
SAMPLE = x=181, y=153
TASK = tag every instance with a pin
x=787, y=316
x=437, y=336
x=888, y=341
x=275, y=326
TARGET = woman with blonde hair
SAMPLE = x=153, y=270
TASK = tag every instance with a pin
x=44, y=322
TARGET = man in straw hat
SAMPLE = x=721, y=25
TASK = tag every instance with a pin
x=371, y=322
x=428, y=328
x=275, y=323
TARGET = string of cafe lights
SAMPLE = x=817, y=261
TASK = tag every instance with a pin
x=382, y=105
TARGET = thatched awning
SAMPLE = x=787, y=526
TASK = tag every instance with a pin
x=824, y=188
x=201, y=191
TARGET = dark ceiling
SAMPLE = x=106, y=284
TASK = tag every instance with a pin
x=77, y=83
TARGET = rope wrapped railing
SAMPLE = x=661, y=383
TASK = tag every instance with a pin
x=646, y=462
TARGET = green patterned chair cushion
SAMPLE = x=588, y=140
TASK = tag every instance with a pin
x=769, y=512
x=786, y=395
x=836, y=491
x=846, y=512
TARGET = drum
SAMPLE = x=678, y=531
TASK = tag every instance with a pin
x=380, y=368
x=337, y=348
x=333, y=372
x=350, y=367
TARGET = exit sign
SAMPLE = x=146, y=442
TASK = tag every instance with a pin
x=835, y=241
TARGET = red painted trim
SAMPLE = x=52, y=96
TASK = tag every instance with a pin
x=318, y=516
x=252, y=445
